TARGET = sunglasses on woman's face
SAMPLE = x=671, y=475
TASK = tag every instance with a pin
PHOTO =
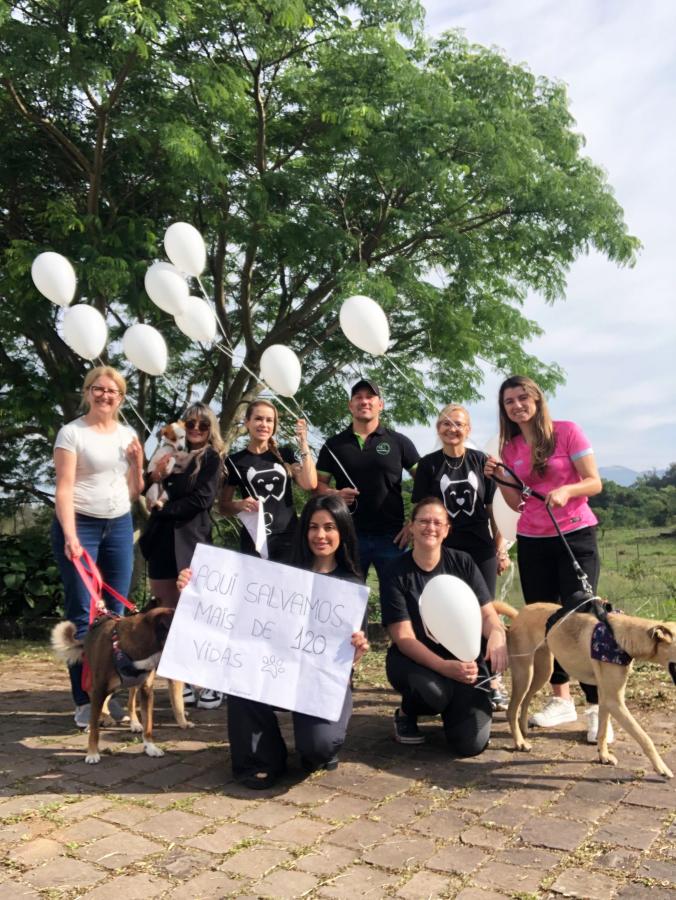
x=197, y=425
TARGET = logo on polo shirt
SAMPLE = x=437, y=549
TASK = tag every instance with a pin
x=383, y=448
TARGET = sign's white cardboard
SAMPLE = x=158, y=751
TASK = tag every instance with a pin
x=266, y=631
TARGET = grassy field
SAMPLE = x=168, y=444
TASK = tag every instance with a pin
x=638, y=574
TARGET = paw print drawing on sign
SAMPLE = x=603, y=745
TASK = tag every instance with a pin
x=273, y=665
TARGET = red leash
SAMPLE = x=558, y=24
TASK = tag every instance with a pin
x=92, y=580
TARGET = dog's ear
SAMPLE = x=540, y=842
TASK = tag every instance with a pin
x=661, y=633
x=162, y=623
x=164, y=432
x=181, y=424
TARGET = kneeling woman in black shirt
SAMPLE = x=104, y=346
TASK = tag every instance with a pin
x=430, y=679
x=326, y=543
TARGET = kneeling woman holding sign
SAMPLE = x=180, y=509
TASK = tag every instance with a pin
x=326, y=544
x=434, y=626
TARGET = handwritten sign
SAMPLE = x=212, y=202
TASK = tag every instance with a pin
x=266, y=631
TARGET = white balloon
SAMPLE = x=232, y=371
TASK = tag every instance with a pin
x=185, y=248
x=505, y=517
x=365, y=324
x=197, y=321
x=54, y=277
x=451, y=613
x=280, y=369
x=167, y=288
x=144, y=347
x=85, y=330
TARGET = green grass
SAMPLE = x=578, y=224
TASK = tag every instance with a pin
x=638, y=572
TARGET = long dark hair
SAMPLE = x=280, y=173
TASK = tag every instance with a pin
x=544, y=442
x=347, y=553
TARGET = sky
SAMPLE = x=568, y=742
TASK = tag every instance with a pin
x=615, y=333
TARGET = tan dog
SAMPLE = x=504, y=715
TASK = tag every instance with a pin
x=141, y=639
x=531, y=659
x=177, y=706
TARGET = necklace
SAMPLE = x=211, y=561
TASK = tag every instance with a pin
x=458, y=466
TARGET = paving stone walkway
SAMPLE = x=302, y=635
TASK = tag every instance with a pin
x=391, y=821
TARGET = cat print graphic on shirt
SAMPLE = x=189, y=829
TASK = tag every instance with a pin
x=267, y=483
x=459, y=496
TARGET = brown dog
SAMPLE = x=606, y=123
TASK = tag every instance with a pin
x=113, y=646
x=531, y=660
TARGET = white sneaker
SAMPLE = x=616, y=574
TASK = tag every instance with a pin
x=557, y=712
x=592, y=714
x=209, y=699
x=189, y=696
x=117, y=711
x=82, y=714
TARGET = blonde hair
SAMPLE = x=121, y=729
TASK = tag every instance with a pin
x=272, y=443
x=445, y=412
x=103, y=372
x=215, y=441
x=544, y=441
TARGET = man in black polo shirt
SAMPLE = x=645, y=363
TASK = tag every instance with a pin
x=366, y=462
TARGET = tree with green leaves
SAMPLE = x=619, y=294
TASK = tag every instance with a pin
x=322, y=150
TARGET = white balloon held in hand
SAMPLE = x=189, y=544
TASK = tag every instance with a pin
x=145, y=348
x=185, y=248
x=197, y=321
x=54, y=277
x=167, y=288
x=365, y=324
x=451, y=613
x=85, y=330
x=280, y=370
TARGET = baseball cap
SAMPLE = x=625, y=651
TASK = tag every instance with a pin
x=365, y=383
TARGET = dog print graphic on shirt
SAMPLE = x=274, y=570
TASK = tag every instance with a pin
x=459, y=496
x=267, y=483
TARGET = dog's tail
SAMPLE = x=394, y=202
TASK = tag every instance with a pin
x=65, y=645
x=504, y=609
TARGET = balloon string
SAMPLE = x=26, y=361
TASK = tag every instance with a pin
x=218, y=321
x=231, y=355
x=329, y=450
x=431, y=402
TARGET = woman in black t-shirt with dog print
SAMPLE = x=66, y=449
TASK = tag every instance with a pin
x=263, y=474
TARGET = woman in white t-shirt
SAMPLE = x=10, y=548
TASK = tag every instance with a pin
x=99, y=471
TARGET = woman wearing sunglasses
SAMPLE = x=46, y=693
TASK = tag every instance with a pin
x=429, y=678
x=263, y=474
x=173, y=531
x=99, y=472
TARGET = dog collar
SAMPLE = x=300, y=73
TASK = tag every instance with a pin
x=128, y=674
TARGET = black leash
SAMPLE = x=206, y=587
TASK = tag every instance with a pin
x=526, y=492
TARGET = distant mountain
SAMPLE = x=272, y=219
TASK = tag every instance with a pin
x=619, y=474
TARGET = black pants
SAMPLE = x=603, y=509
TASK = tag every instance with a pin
x=257, y=745
x=547, y=576
x=465, y=711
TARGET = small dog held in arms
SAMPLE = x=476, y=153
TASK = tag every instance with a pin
x=120, y=652
x=172, y=442
x=531, y=660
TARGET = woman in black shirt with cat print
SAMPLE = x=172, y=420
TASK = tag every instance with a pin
x=264, y=474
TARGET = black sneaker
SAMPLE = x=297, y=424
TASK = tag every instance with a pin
x=406, y=729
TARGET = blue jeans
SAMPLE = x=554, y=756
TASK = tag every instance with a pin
x=378, y=549
x=110, y=543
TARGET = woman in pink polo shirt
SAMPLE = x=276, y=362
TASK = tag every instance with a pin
x=557, y=460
